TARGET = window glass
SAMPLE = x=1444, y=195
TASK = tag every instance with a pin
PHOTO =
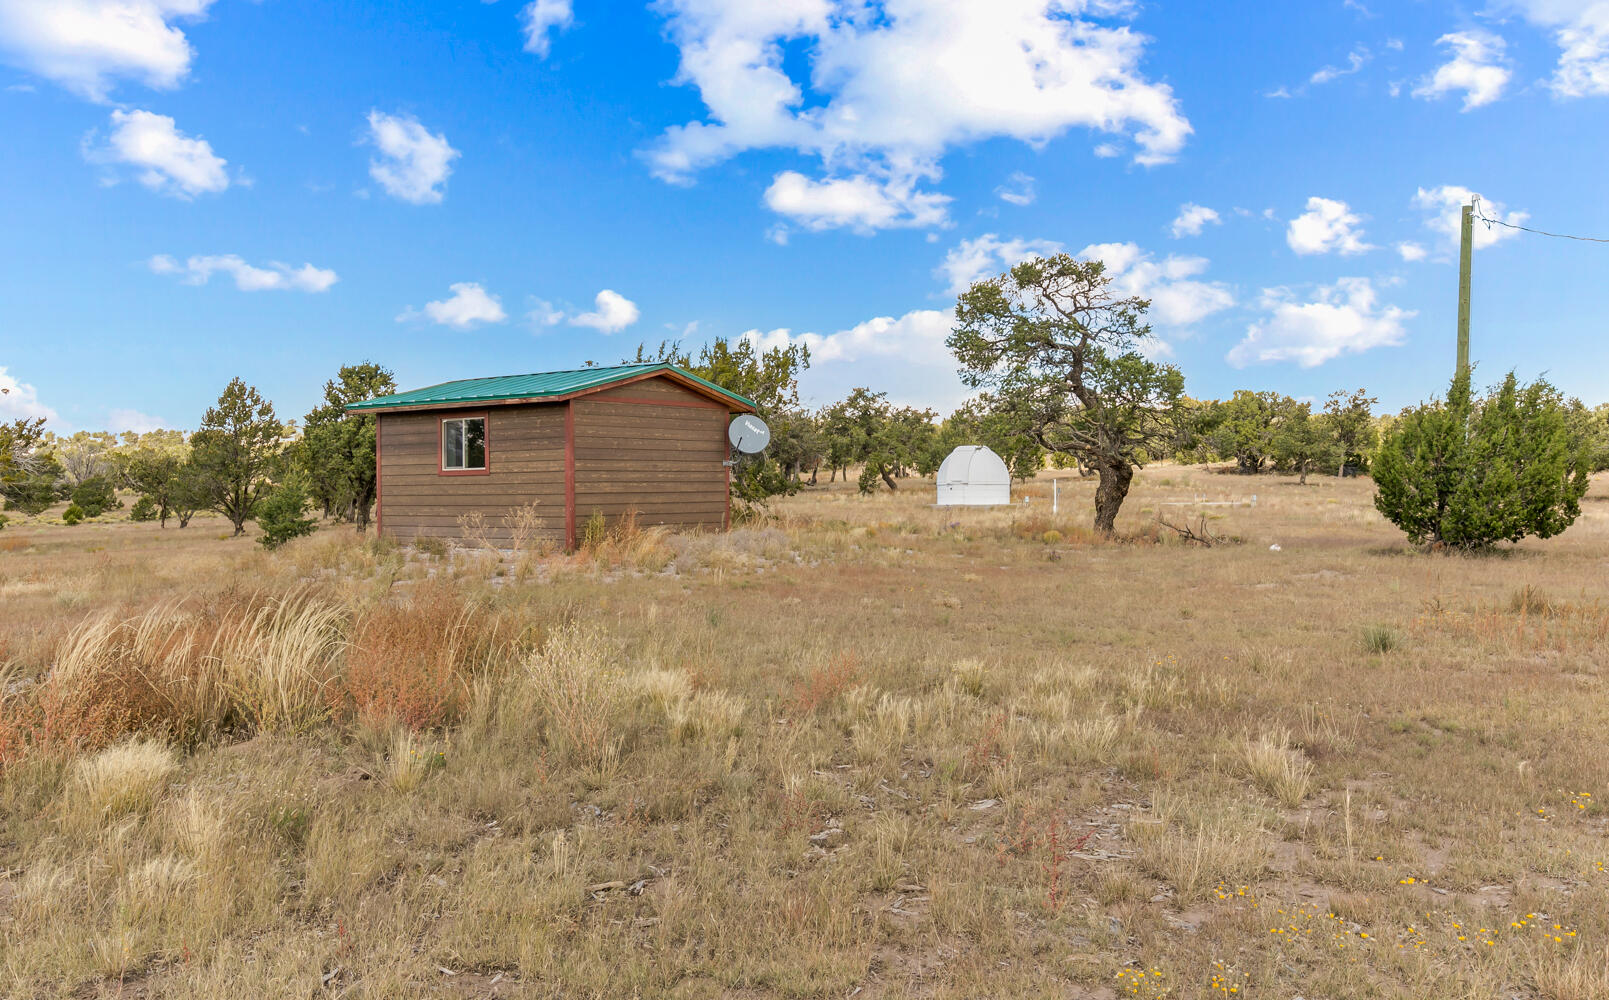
x=463, y=444
x=452, y=444
x=475, y=443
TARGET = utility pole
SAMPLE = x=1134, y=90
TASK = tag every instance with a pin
x=1465, y=255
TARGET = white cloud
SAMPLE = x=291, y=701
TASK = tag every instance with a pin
x=1355, y=60
x=987, y=256
x=860, y=203
x=613, y=313
x=890, y=87
x=543, y=18
x=1411, y=251
x=1343, y=318
x=1478, y=69
x=84, y=44
x=469, y=306
x=916, y=337
x=1177, y=300
x=164, y=159
x=413, y=164
x=119, y=421
x=542, y=313
x=1581, y=29
x=1446, y=205
x=1326, y=226
x=1192, y=218
x=274, y=277
x=1018, y=189
x=19, y=400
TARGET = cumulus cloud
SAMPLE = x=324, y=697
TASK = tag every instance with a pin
x=612, y=313
x=987, y=256
x=1326, y=226
x=542, y=19
x=916, y=337
x=414, y=163
x=1411, y=251
x=1581, y=30
x=1191, y=219
x=275, y=277
x=1446, y=204
x=1177, y=299
x=882, y=91
x=119, y=421
x=85, y=45
x=163, y=158
x=469, y=306
x=859, y=203
x=1344, y=318
x=19, y=400
x=1017, y=190
x=1478, y=69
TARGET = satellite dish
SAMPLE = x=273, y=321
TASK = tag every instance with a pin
x=749, y=434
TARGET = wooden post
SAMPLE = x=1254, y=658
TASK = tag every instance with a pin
x=1465, y=256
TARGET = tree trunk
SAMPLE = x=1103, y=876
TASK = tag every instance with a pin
x=1110, y=492
x=888, y=479
x=1303, y=480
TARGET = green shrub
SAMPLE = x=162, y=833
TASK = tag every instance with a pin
x=72, y=515
x=1380, y=639
x=3, y=520
x=95, y=496
x=144, y=509
x=1470, y=473
x=282, y=513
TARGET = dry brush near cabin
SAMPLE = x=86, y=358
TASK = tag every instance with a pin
x=864, y=747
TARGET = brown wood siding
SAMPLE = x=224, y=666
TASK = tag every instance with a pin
x=525, y=462
x=652, y=447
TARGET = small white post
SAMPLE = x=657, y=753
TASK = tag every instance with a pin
x=1055, y=496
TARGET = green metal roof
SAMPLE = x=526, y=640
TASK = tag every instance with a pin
x=535, y=386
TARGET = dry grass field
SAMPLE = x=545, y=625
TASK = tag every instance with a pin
x=864, y=748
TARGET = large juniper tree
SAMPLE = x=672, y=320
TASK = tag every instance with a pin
x=1469, y=473
x=1054, y=342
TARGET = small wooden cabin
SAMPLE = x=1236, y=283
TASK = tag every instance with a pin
x=647, y=438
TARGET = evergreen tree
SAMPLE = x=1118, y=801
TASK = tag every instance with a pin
x=1470, y=473
x=282, y=513
x=1303, y=441
x=337, y=450
x=1351, y=420
x=235, y=452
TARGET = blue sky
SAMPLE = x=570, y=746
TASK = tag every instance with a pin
x=196, y=189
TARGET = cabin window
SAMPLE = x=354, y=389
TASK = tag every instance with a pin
x=463, y=444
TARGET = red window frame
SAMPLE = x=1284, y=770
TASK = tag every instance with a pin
x=441, y=444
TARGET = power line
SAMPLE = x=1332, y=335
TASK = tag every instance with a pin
x=1490, y=222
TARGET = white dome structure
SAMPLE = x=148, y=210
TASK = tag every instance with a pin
x=974, y=476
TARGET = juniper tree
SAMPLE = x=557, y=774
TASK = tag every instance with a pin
x=1470, y=473
x=236, y=451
